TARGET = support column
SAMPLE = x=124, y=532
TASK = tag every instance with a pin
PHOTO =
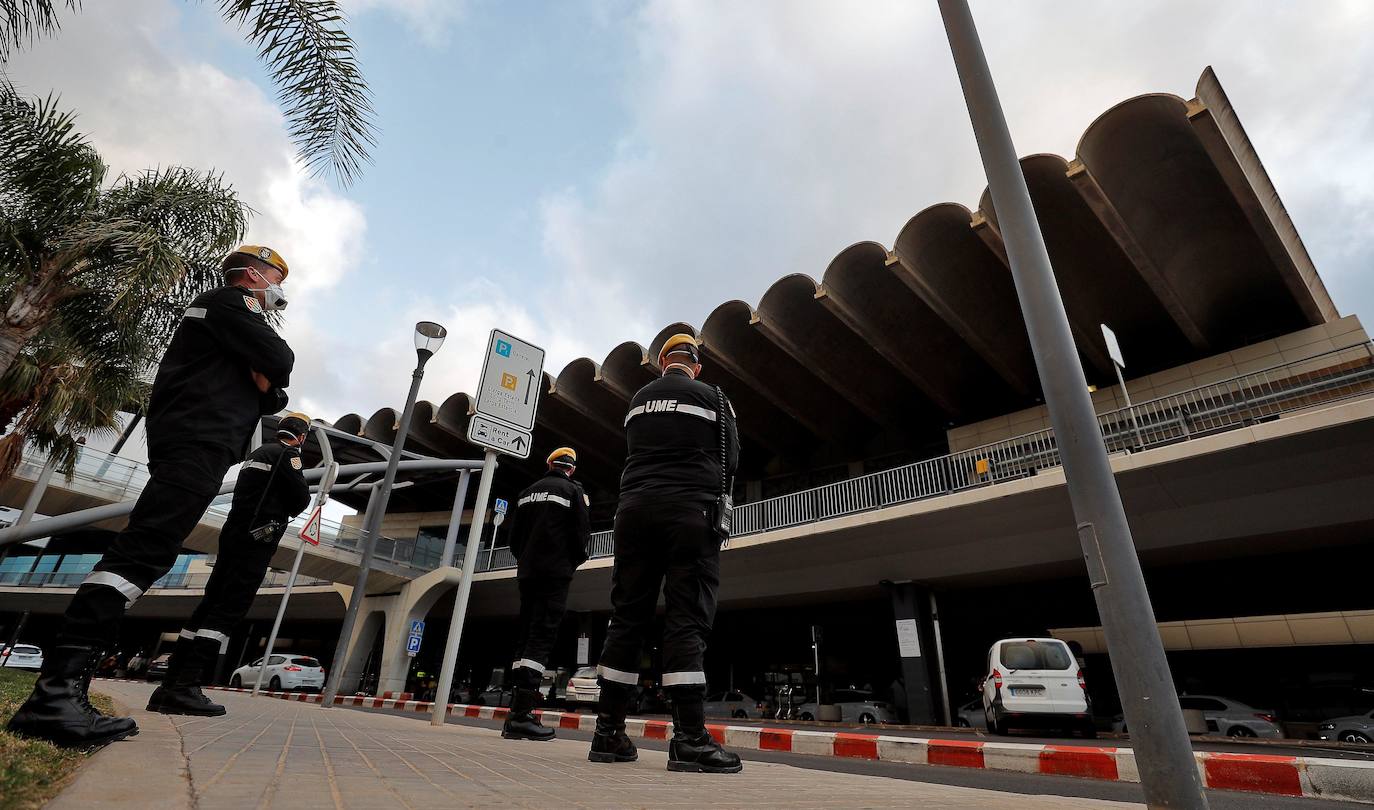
x=911, y=627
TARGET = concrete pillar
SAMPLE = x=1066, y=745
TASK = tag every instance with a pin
x=360, y=644
x=911, y=617
x=414, y=602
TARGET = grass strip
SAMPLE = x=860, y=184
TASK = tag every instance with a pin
x=32, y=772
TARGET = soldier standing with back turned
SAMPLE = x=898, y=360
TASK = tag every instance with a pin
x=683, y=451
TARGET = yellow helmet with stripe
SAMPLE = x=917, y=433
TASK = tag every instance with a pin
x=682, y=344
x=563, y=456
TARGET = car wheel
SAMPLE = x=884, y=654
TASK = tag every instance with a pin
x=1353, y=737
x=1088, y=731
x=960, y=722
x=807, y=716
x=1241, y=731
x=740, y=714
x=867, y=719
x=274, y=684
x=236, y=682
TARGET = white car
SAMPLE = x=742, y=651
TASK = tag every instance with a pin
x=856, y=706
x=735, y=705
x=1357, y=728
x=23, y=656
x=285, y=671
x=971, y=715
x=1035, y=682
x=1226, y=716
x=583, y=688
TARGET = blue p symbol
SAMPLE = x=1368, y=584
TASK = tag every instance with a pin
x=503, y=348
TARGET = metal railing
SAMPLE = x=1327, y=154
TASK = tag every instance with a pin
x=170, y=581
x=1234, y=403
x=114, y=478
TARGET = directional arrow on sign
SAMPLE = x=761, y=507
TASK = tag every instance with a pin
x=531, y=386
x=518, y=442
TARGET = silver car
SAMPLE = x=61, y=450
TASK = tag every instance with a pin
x=856, y=706
x=1226, y=716
x=735, y=705
x=971, y=715
x=1357, y=728
x=22, y=656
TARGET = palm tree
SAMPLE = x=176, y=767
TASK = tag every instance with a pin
x=305, y=48
x=94, y=274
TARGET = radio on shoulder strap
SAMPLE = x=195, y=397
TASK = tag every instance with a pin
x=725, y=505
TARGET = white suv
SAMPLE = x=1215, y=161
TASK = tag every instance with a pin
x=1035, y=682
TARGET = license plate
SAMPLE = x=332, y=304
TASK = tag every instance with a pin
x=1027, y=690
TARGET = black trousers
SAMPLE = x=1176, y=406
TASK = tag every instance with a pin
x=542, y=604
x=239, y=568
x=181, y=486
x=673, y=547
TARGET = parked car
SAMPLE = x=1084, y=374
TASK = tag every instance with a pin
x=856, y=706
x=1035, y=683
x=22, y=656
x=158, y=668
x=735, y=705
x=285, y=671
x=1225, y=716
x=1357, y=728
x=583, y=688
x=500, y=691
x=971, y=715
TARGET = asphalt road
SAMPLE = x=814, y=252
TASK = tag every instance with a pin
x=1004, y=781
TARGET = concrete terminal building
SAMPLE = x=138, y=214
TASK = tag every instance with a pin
x=896, y=455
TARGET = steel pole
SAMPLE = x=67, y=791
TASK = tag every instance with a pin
x=460, y=604
x=40, y=486
x=1126, y=395
x=371, y=529
x=455, y=520
x=940, y=658
x=1168, y=772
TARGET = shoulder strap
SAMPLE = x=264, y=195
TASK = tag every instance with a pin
x=720, y=423
x=268, y=487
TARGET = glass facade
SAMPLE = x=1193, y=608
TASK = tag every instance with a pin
x=66, y=569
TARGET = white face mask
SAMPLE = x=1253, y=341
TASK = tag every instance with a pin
x=273, y=296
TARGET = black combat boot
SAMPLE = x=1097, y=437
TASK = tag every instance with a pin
x=521, y=724
x=610, y=743
x=180, y=692
x=59, y=710
x=692, y=749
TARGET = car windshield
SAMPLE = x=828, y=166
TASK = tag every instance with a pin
x=1035, y=655
x=586, y=673
x=305, y=662
x=24, y=649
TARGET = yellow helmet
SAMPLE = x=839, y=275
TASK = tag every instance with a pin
x=265, y=254
x=675, y=344
x=295, y=423
x=562, y=453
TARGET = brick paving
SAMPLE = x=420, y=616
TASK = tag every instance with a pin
x=273, y=753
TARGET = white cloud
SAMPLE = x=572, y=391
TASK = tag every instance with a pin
x=767, y=137
x=431, y=20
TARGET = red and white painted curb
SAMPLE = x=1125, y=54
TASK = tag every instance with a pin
x=1311, y=777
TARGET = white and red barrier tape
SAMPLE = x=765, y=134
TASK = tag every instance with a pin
x=1312, y=777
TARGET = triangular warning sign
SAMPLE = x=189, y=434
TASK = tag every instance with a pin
x=310, y=532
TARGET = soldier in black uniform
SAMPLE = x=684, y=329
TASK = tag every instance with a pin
x=224, y=368
x=683, y=448
x=270, y=491
x=549, y=538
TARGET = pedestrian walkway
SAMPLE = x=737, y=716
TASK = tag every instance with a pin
x=274, y=753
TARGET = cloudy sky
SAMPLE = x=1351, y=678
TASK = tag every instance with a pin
x=582, y=173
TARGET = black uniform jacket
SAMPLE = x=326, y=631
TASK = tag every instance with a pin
x=204, y=391
x=281, y=499
x=672, y=433
x=552, y=528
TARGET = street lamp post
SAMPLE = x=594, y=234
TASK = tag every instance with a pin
x=429, y=336
x=1168, y=772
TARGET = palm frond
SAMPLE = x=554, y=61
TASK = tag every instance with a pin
x=50, y=176
x=23, y=21
x=311, y=58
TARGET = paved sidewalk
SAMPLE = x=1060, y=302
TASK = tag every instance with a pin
x=269, y=752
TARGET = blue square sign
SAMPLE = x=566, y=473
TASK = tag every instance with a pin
x=501, y=506
x=417, y=628
x=503, y=348
x=413, y=645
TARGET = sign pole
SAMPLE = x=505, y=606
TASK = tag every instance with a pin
x=460, y=605
x=326, y=483
x=1164, y=754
